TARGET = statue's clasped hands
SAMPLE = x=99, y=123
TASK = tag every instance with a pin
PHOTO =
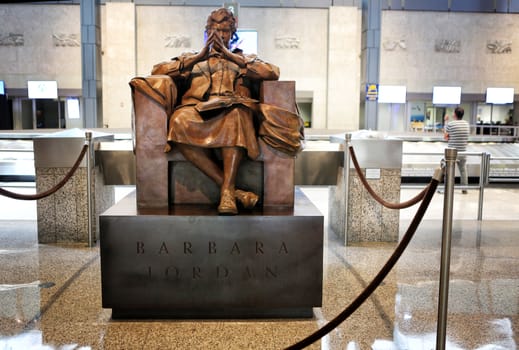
x=215, y=42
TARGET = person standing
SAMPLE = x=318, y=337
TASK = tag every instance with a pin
x=457, y=132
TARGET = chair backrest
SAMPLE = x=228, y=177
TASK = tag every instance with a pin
x=166, y=179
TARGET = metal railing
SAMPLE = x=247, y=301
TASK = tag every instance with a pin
x=484, y=167
x=503, y=178
x=475, y=129
x=16, y=162
x=496, y=129
x=484, y=173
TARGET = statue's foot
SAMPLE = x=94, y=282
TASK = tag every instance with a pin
x=247, y=199
x=227, y=203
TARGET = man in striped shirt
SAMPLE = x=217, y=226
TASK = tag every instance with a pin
x=457, y=134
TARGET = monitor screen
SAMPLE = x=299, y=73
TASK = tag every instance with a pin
x=446, y=95
x=391, y=94
x=500, y=95
x=42, y=89
x=2, y=87
x=73, y=108
x=247, y=41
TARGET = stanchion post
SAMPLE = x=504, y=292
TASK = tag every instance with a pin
x=483, y=181
x=88, y=141
x=346, y=180
x=481, y=185
x=443, y=300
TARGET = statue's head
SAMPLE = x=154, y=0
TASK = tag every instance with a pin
x=223, y=21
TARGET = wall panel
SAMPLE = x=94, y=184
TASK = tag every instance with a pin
x=473, y=5
x=427, y=5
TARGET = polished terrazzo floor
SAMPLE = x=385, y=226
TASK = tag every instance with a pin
x=50, y=295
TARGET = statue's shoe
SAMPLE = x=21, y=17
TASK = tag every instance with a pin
x=247, y=199
x=227, y=203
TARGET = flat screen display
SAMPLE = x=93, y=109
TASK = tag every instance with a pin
x=247, y=41
x=446, y=95
x=73, y=108
x=2, y=87
x=391, y=94
x=42, y=89
x=500, y=95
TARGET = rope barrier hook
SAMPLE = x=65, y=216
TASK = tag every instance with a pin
x=438, y=174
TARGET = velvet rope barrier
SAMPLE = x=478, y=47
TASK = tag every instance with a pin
x=67, y=177
x=390, y=263
x=402, y=205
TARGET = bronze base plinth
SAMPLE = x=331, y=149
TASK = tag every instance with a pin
x=188, y=262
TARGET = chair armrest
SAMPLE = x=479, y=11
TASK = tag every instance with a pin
x=279, y=93
x=153, y=102
x=161, y=89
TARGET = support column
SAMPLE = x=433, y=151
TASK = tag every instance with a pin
x=344, y=68
x=63, y=216
x=119, y=63
x=371, y=56
x=91, y=63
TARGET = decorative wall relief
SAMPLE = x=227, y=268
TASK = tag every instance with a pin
x=66, y=40
x=392, y=45
x=11, y=39
x=287, y=42
x=178, y=41
x=448, y=46
x=499, y=46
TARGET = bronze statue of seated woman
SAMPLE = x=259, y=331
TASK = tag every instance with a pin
x=217, y=111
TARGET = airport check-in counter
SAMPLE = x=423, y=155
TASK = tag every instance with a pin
x=63, y=216
x=117, y=162
x=316, y=165
x=353, y=213
x=319, y=164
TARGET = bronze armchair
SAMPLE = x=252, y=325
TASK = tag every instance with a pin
x=164, y=179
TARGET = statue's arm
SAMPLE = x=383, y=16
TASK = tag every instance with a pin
x=173, y=68
x=179, y=66
x=166, y=68
x=259, y=70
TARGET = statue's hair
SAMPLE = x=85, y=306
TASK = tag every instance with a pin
x=219, y=16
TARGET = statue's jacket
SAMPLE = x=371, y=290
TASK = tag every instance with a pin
x=216, y=107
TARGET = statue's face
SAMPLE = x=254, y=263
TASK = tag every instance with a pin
x=223, y=30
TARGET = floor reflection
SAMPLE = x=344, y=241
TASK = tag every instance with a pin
x=50, y=295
